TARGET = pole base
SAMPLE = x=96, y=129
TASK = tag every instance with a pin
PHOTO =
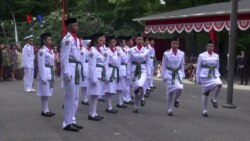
x=229, y=106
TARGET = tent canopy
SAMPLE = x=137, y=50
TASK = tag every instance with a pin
x=213, y=16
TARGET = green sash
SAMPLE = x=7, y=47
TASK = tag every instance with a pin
x=52, y=74
x=138, y=69
x=77, y=73
x=174, y=73
x=113, y=73
x=211, y=70
x=103, y=71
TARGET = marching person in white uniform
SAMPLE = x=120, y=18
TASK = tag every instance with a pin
x=97, y=75
x=138, y=66
x=208, y=76
x=173, y=73
x=28, y=58
x=46, y=73
x=72, y=74
x=85, y=62
x=123, y=86
x=153, y=61
x=112, y=72
x=147, y=89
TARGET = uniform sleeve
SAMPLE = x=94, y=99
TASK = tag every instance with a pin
x=106, y=63
x=82, y=60
x=198, y=69
x=148, y=65
x=163, y=67
x=41, y=64
x=92, y=67
x=129, y=63
x=24, y=55
x=65, y=51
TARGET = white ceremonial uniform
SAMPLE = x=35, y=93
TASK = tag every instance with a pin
x=28, y=58
x=46, y=75
x=207, y=72
x=141, y=57
x=139, y=70
x=152, y=59
x=172, y=62
x=172, y=74
x=70, y=62
x=84, y=54
x=147, y=84
x=97, y=76
x=113, y=65
x=124, y=83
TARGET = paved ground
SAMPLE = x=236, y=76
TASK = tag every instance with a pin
x=20, y=118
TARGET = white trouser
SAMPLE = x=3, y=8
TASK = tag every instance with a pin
x=70, y=101
x=28, y=78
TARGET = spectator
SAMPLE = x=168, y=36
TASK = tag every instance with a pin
x=6, y=63
x=242, y=65
x=19, y=70
x=13, y=61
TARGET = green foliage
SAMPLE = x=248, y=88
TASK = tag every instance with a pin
x=108, y=16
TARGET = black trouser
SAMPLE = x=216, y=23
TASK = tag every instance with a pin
x=243, y=75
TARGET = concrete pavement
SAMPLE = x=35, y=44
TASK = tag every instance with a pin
x=20, y=118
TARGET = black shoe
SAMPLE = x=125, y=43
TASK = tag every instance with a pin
x=95, y=118
x=100, y=117
x=47, y=114
x=85, y=103
x=147, y=92
x=170, y=113
x=205, y=114
x=143, y=103
x=137, y=91
x=215, y=104
x=78, y=126
x=112, y=111
x=101, y=100
x=135, y=111
x=176, y=104
x=146, y=95
x=121, y=106
x=52, y=113
x=129, y=102
x=71, y=128
x=154, y=87
x=151, y=90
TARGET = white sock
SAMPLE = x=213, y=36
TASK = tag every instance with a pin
x=204, y=103
x=120, y=97
x=108, y=101
x=45, y=104
x=84, y=94
x=142, y=92
x=177, y=95
x=169, y=99
x=136, y=101
x=93, y=105
x=216, y=93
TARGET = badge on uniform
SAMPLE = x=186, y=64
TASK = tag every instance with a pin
x=105, y=55
x=81, y=53
x=41, y=53
x=91, y=55
x=66, y=43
